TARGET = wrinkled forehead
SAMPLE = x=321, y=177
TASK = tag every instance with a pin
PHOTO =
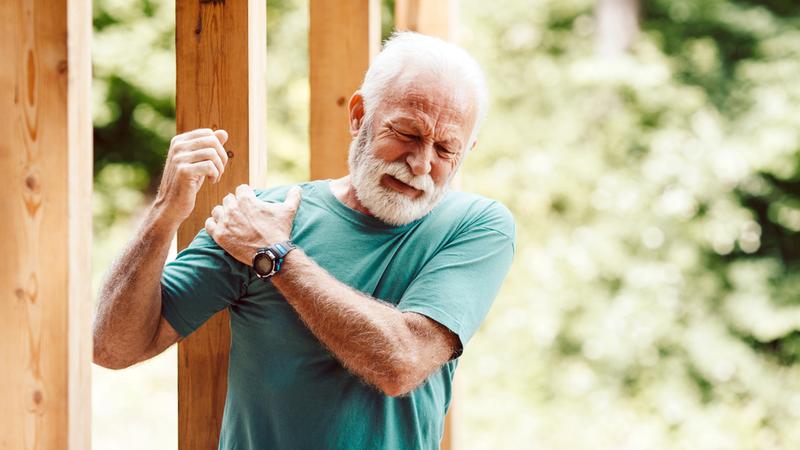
x=433, y=97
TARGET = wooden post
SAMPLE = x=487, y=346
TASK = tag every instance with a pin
x=46, y=168
x=221, y=83
x=435, y=18
x=344, y=35
x=432, y=17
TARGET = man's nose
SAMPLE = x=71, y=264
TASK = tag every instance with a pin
x=420, y=160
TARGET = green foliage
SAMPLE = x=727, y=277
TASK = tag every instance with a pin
x=653, y=301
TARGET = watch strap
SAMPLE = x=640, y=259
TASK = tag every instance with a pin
x=282, y=248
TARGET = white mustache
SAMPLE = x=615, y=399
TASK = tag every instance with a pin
x=400, y=171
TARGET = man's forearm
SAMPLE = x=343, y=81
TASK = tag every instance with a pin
x=393, y=350
x=369, y=337
x=129, y=306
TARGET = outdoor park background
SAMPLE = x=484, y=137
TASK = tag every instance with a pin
x=654, y=301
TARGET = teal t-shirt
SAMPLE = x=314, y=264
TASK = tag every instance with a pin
x=285, y=389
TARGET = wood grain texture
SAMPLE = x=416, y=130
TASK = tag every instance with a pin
x=79, y=185
x=46, y=167
x=432, y=17
x=221, y=83
x=344, y=35
x=435, y=18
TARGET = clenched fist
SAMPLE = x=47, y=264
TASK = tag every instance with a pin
x=193, y=156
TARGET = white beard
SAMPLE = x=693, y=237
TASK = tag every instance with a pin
x=386, y=204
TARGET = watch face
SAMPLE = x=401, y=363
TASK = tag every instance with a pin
x=263, y=265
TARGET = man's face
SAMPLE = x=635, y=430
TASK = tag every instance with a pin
x=402, y=162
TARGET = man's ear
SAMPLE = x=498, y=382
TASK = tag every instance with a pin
x=356, y=110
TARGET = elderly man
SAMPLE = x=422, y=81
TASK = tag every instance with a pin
x=350, y=307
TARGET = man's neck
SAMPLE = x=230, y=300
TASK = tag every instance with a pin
x=345, y=192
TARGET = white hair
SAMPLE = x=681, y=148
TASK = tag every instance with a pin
x=404, y=50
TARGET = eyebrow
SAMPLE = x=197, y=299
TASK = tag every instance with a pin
x=404, y=121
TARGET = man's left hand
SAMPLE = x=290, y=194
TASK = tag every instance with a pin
x=242, y=223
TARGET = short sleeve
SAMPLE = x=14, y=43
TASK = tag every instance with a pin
x=201, y=281
x=457, y=286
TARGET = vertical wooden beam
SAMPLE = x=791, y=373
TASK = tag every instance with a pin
x=221, y=83
x=344, y=35
x=435, y=18
x=432, y=17
x=46, y=168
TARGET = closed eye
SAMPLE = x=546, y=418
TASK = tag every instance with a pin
x=407, y=136
x=441, y=149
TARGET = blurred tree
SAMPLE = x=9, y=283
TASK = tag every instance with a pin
x=653, y=302
x=617, y=25
x=748, y=46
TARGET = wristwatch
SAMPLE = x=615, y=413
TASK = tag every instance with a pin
x=268, y=260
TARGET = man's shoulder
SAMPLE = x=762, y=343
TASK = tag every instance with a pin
x=475, y=211
x=278, y=193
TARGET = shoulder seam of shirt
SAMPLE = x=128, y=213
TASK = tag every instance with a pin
x=512, y=240
x=487, y=209
x=492, y=229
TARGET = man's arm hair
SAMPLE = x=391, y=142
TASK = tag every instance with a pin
x=393, y=350
x=127, y=328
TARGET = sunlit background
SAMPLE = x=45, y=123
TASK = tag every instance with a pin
x=650, y=154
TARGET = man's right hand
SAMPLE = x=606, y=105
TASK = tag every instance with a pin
x=129, y=327
x=193, y=156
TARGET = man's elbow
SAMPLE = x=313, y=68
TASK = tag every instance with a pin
x=105, y=358
x=109, y=363
x=401, y=380
x=394, y=389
